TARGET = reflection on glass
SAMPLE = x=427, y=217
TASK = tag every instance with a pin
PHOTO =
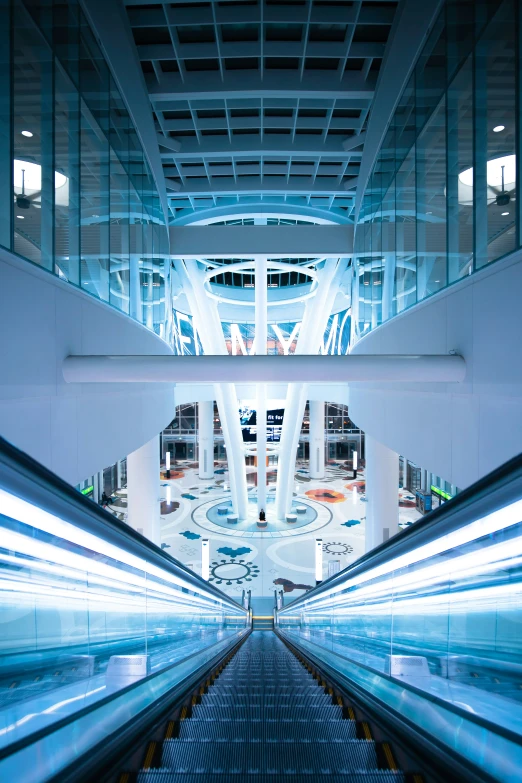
x=439, y=618
x=70, y=601
x=81, y=192
x=445, y=179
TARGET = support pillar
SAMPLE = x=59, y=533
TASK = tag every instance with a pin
x=206, y=316
x=315, y=318
x=135, y=306
x=206, y=439
x=261, y=314
x=143, y=475
x=382, y=493
x=96, y=492
x=425, y=486
x=316, y=439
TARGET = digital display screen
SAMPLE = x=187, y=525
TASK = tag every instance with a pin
x=274, y=422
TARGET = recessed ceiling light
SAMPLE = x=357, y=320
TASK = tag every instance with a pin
x=429, y=213
x=504, y=214
x=498, y=128
x=20, y=217
x=437, y=281
x=27, y=133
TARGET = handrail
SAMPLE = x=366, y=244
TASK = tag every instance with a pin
x=23, y=476
x=501, y=485
x=424, y=626
x=8, y=750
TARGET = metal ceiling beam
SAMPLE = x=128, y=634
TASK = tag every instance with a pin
x=242, y=84
x=244, y=147
x=109, y=20
x=272, y=207
x=261, y=241
x=258, y=185
x=408, y=35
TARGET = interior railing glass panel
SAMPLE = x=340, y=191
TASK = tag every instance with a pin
x=429, y=625
x=96, y=623
x=441, y=200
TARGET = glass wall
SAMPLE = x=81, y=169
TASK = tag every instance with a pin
x=95, y=621
x=429, y=625
x=441, y=201
x=83, y=203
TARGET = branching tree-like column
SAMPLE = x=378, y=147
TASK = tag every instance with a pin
x=205, y=313
x=315, y=319
x=261, y=314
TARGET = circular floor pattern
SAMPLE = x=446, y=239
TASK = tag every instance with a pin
x=336, y=548
x=217, y=517
x=232, y=571
x=318, y=516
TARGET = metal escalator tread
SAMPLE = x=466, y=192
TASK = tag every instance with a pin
x=268, y=731
x=167, y=776
x=266, y=719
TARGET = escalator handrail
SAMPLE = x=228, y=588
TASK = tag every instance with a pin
x=450, y=706
x=24, y=477
x=35, y=736
x=502, y=486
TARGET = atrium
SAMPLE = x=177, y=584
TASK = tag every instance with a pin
x=260, y=391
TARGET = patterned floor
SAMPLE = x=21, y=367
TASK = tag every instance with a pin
x=270, y=561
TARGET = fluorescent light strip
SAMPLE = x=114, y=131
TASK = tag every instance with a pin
x=467, y=602
x=35, y=517
x=492, y=523
x=481, y=562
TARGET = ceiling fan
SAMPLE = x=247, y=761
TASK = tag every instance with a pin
x=502, y=196
x=23, y=201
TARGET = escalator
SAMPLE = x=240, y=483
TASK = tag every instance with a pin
x=119, y=665
x=267, y=717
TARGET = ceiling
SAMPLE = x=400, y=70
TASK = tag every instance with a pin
x=261, y=105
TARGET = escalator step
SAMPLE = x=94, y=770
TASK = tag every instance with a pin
x=305, y=758
x=248, y=731
x=167, y=776
x=258, y=712
x=267, y=719
x=265, y=687
x=268, y=699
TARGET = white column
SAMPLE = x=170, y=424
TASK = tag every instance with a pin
x=143, y=476
x=424, y=481
x=382, y=492
x=136, y=309
x=97, y=491
x=205, y=313
x=315, y=318
x=261, y=315
x=206, y=439
x=388, y=280
x=316, y=439
x=118, y=474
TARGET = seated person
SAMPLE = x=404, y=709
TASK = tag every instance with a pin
x=262, y=516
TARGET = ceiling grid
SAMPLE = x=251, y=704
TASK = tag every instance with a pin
x=261, y=98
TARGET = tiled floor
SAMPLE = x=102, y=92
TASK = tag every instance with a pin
x=259, y=561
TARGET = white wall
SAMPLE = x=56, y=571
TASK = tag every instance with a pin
x=322, y=392
x=458, y=431
x=73, y=429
